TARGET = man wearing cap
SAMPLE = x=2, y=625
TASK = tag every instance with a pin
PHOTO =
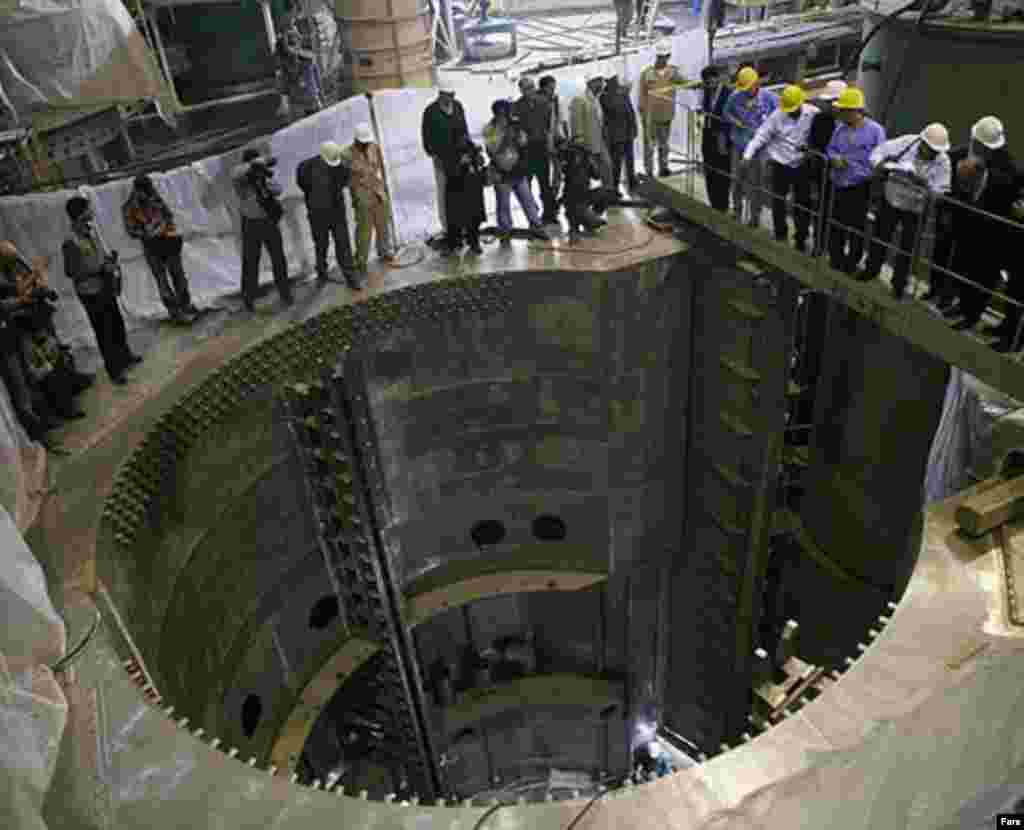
x=255, y=188
x=586, y=121
x=148, y=218
x=443, y=128
x=714, y=141
x=656, y=100
x=747, y=109
x=534, y=113
x=849, y=157
x=918, y=170
x=322, y=180
x=822, y=127
x=621, y=130
x=985, y=178
x=783, y=136
x=369, y=198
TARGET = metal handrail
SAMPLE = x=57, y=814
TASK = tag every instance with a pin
x=935, y=204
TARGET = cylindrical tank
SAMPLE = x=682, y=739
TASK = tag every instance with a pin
x=386, y=43
x=954, y=73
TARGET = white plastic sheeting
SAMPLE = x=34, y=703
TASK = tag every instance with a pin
x=978, y=426
x=33, y=710
x=72, y=52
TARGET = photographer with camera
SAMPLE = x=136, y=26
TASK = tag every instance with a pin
x=147, y=218
x=261, y=211
x=97, y=279
x=465, y=177
x=506, y=143
x=582, y=202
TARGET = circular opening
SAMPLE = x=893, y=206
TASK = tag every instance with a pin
x=252, y=710
x=487, y=532
x=549, y=528
x=324, y=612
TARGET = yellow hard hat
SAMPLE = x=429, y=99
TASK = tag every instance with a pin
x=746, y=79
x=851, y=99
x=793, y=98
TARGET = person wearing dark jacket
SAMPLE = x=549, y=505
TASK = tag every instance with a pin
x=322, y=180
x=443, y=128
x=822, y=127
x=93, y=271
x=464, y=196
x=621, y=127
x=715, y=147
x=148, y=218
x=534, y=113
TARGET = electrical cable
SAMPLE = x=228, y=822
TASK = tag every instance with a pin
x=490, y=812
x=69, y=658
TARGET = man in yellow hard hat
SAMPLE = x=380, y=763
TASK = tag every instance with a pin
x=849, y=155
x=747, y=109
x=918, y=170
x=656, y=99
x=783, y=136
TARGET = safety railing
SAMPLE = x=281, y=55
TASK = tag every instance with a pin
x=927, y=257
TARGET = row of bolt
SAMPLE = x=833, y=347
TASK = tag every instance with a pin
x=759, y=725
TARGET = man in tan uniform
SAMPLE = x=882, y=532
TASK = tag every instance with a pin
x=369, y=197
x=657, y=105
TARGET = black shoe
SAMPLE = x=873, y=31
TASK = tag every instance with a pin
x=134, y=359
x=633, y=184
x=866, y=276
x=950, y=311
x=898, y=293
x=800, y=246
x=476, y=249
x=72, y=414
x=1004, y=345
x=965, y=324
x=321, y=276
x=287, y=300
x=118, y=380
x=80, y=381
x=664, y=172
x=355, y=284
x=928, y=296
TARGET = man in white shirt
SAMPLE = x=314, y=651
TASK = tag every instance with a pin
x=783, y=136
x=918, y=170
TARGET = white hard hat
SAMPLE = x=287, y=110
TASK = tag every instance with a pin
x=593, y=76
x=936, y=136
x=446, y=86
x=989, y=131
x=364, y=134
x=663, y=47
x=833, y=89
x=330, y=152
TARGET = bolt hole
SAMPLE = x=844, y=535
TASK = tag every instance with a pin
x=549, y=528
x=252, y=711
x=487, y=532
x=323, y=613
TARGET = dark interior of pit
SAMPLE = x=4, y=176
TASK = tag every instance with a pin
x=592, y=509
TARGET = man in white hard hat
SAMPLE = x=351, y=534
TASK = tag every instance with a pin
x=369, y=198
x=986, y=178
x=586, y=122
x=984, y=163
x=822, y=127
x=918, y=170
x=322, y=179
x=656, y=99
x=443, y=128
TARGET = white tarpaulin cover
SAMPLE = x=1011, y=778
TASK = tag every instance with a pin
x=978, y=427
x=33, y=710
x=69, y=53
